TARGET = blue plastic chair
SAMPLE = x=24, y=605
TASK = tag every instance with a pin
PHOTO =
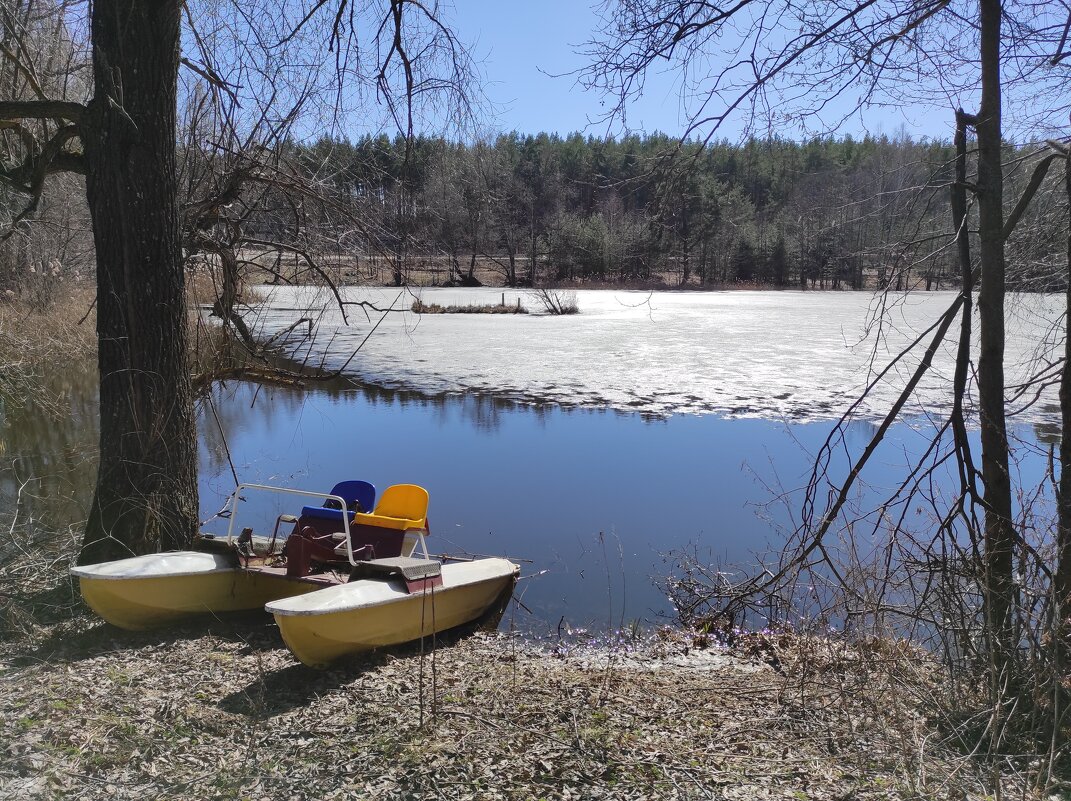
x=359, y=496
x=361, y=492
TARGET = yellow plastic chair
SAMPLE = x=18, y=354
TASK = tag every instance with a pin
x=401, y=507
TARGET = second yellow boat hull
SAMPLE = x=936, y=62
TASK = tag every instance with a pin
x=318, y=632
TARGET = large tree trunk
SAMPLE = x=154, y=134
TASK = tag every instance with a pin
x=1062, y=581
x=146, y=494
x=999, y=531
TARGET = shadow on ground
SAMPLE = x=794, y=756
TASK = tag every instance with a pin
x=74, y=642
x=276, y=692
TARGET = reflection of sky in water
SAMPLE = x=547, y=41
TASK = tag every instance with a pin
x=542, y=483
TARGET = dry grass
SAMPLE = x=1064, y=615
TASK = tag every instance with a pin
x=65, y=331
x=203, y=288
x=37, y=344
x=219, y=709
x=36, y=341
x=420, y=307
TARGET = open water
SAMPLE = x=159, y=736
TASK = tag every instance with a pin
x=593, y=448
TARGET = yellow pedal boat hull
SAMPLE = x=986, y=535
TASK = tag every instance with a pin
x=144, y=592
x=362, y=615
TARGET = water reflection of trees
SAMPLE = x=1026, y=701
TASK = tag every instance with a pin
x=48, y=456
x=1048, y=430
x=485, y=411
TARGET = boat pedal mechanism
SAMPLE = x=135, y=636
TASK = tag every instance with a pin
x=418, y=574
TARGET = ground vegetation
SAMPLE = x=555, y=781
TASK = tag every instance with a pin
x=420, y=307
x=221, y=710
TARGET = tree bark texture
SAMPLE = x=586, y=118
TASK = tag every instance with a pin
x=1062, y=590
x=964, y=458
x=146, y=492
x=999, y=531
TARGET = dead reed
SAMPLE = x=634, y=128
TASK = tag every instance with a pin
x=420, y=307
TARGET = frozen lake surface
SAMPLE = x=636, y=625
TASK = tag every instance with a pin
x=763, y=354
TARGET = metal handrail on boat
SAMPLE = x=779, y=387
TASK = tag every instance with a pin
x=235, y=497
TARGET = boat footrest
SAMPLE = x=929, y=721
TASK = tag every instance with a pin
x=418, y=574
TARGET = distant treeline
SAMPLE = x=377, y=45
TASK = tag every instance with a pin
x=828, y=213
x=579, y=210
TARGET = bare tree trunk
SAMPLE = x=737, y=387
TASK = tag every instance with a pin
x=397, y=273
x=226, y=305
x=1062, y=581
x=532, y=256
x=999, y=531
x=146, y=493
x=964, y=459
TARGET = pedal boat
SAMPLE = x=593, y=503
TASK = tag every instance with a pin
x=145, y=592
x=412, y=598
x=327, y=550
x=222, y=574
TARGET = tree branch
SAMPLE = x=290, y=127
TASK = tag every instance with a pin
x=1036, y=178
x=41, y=110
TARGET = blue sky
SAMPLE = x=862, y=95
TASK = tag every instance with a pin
x=522, y=44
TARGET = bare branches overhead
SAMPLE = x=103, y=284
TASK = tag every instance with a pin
x=795, y=66
x=41, y=110
x=41, y=106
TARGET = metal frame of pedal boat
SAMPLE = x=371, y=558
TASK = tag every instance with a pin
x=236, y=496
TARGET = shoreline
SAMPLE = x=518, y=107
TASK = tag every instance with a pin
x=219, y=709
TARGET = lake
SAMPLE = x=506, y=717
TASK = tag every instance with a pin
x=591, y=447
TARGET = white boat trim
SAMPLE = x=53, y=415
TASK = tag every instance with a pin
x=370, y=593
x=158, y=565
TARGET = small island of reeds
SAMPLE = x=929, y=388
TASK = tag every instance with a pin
x=420, y=307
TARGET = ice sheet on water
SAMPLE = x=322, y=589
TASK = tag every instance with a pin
x=788, y=354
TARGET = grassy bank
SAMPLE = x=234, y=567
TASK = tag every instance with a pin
x=36, y=340
x=219, y=709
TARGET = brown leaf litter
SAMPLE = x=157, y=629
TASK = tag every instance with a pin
x=221, y=710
